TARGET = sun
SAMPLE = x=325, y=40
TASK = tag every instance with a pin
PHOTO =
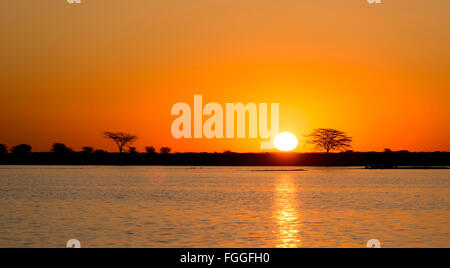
x=285, y=142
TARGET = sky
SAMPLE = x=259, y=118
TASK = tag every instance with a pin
x=379, y=72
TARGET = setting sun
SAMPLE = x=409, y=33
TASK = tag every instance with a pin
x=286, y=142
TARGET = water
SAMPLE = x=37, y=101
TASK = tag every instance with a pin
x=45, y=206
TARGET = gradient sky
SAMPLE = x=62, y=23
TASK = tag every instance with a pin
x=379, y=72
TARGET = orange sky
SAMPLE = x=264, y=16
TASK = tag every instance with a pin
x=379, y=72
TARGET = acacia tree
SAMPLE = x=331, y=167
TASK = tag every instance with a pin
x=327, y=139
x=21, y=149
x=120, y=139
x=165, y=150
x=150, y=150
x=60, y=148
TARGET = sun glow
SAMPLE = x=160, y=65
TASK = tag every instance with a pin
x=286, y=142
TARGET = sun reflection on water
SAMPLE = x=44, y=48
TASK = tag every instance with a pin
x=286, y=214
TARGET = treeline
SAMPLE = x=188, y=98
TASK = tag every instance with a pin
x=384, y=160
x=60, y=148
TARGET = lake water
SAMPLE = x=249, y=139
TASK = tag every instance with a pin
x=45, y=206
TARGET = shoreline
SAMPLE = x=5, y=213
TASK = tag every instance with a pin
x=369, y=160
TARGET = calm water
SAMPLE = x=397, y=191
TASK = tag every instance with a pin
x=223, y=207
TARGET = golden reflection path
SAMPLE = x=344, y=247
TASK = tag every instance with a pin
x=286, y=213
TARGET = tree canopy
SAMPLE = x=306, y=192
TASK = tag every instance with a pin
x=328, y=140
x=22, y=149
x=120, y=139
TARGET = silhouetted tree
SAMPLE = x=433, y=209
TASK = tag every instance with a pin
x=132, y=150
x=3, y=149
x=165, y=150
x=21, y=149
x=326, y=139
x=87, y=150
x=150, y=150
x=387, y=150
x=60, y=148
x=121, y=139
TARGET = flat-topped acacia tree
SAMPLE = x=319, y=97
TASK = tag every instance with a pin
x=120, y=139
x=327, y=139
